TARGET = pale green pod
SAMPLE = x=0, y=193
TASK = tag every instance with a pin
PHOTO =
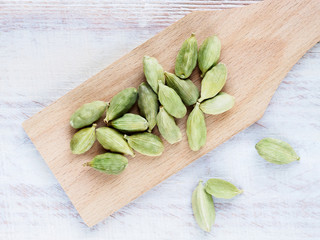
x=121, y=103
x=168, y=127
x=130, y=123
x=213, y=81
x=87, y=114
x=83, y=140
x=114, y=141
x=146, y=143
x=153, y=72
x=186, y=60
x=186, y=89
x=276, y=151
x=148, y=104
x=171, y=101
x=203, y=208
x=209, y=54
x=218, y=104
x=196, y=129
x=221, y=189
x=109, y=163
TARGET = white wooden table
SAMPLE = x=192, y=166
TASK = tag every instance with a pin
x=49, y=47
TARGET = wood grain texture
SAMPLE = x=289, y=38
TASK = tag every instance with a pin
x=33, y=74
x=267, y=36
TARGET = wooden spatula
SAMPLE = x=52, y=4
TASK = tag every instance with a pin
x=260, y=44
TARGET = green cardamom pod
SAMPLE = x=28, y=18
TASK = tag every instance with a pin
x=129, y=123
x=87, y=114
x=153, y=72
x=276, y=151
x=148, y=104
x=83, y=140
x=218, y=104
x=203, y=208
x=146, y=143
x=109, y=163
x=186, y=89
x=213, y=81
x=121, y=103
x=186, y=60
x=171, y=101
x=114, y=141
x=196, y=129
x=167, y=127
x=221, y=189
x=209, y=54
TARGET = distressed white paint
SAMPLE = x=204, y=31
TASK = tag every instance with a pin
x=48, y=48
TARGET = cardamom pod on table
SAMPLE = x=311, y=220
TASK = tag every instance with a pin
x=148, y=104
x=171, y=101
x=83, y=140
x=129, y=123
x=114, y=141
x=153, y=72
x=186, y=89
x=121, y=103
x=209, y=54
x=186, y=60
x=220, y=188
x=109, y=163
x=87, y=114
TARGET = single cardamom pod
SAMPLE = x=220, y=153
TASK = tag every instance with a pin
x=83, y=140
x=167, y=127
x=203, y=208
x=196, y=129
x=148, y=104
x=186, y=60
x=87, y=114
x=218, y=104
x=121, y=103
x=213, y=81
x=209, y=54
x=221, y=189
x=186, y=89
x=129, y=123
x=109, y=163
x=171, y=101
x=146, y=143
x=153, y=72
x=114, y=141
x=276, y=151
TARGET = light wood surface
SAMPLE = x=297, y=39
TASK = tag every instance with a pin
x=260, y=45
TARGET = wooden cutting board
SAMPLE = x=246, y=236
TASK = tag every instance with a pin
x=260, y=44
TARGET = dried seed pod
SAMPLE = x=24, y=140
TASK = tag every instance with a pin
x=276, y=151
x=83, y=140
x=203, y=208
x=213, y=81
x=153, y=72
x=186, y=89
x=114, y=141
x=109, y=163
x=167, y=127
x=121, y=103
x=148, y=104
x=218, y=104
x=130, y=123
x=196, y=129
x=146, y=143
x=87, y=114
x=171, y=101
x=220, y=188
x=209, y=54
x=186, y=60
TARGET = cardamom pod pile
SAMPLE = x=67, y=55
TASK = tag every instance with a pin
x=162, y=98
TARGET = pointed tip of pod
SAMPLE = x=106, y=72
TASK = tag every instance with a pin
x=193, y=34
x=87, y=164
